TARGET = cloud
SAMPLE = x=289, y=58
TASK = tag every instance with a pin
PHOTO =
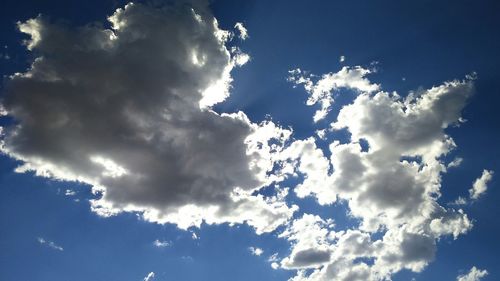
x=49, y=244
x=321, y=91
x=391, y=187
x=161, y=244
x=480, y=185
x=150, y=276
x=310, y=248
x=69, y=192
x=456, y=162
x=255, y=251
x=243, y=32
x=127, y=110
x=474, y=274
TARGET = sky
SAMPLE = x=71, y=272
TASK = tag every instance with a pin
x=195, y=140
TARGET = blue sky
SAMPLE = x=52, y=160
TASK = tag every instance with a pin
x=125, y=177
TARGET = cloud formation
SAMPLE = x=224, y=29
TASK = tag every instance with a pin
x=474, y=274
x=161, y=244
x=321, y=91
x=150, y=276
x=391, y=186
x=128, y=111
x=480, y=185
x=255, y=251
x=49, y=244
x=243, y=32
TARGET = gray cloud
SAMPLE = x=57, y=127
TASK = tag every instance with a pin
x=127, y=110
x=310, y=257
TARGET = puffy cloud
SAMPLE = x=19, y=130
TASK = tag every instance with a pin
x=474, y=274
x=243, y=32
x=321, y=91
x=391, y=187
x=127, y=110
x=49, y=244
x=480, y=185
x=310, y=237
x=150, y=276
x=255, y=251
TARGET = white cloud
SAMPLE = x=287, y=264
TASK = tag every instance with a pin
x=321, y=134
x=480, y=185
x=150, y=276
x=342, y=59
x=3, y=112
x=275, y=265
x=69, y=192
x=321, y=91
x=391, y=188
x=161, y=244
x=255, y=251
x=474, y=274
x=459, y=201
x=133, y=119
x=243, y=32
x=49, y=244
x=310, y=237
x=456, y=162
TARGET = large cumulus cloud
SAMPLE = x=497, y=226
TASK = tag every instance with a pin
x=391, y=186
x=127, y=110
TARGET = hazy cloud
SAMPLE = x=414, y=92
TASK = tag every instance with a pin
x=49, y=244
x=161, y=244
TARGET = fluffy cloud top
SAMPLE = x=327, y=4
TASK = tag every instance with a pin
x=474, y=274
x=391, y=187
x=321, y=91
x=127, y=110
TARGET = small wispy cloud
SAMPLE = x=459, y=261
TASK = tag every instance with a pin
x=255, y=251
x=150, y=276
x=161, y=244
x=194, y=236
x=243, y=32
x=69, y=192
x=480, y=185
x=49, y=244
x=273, y=259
